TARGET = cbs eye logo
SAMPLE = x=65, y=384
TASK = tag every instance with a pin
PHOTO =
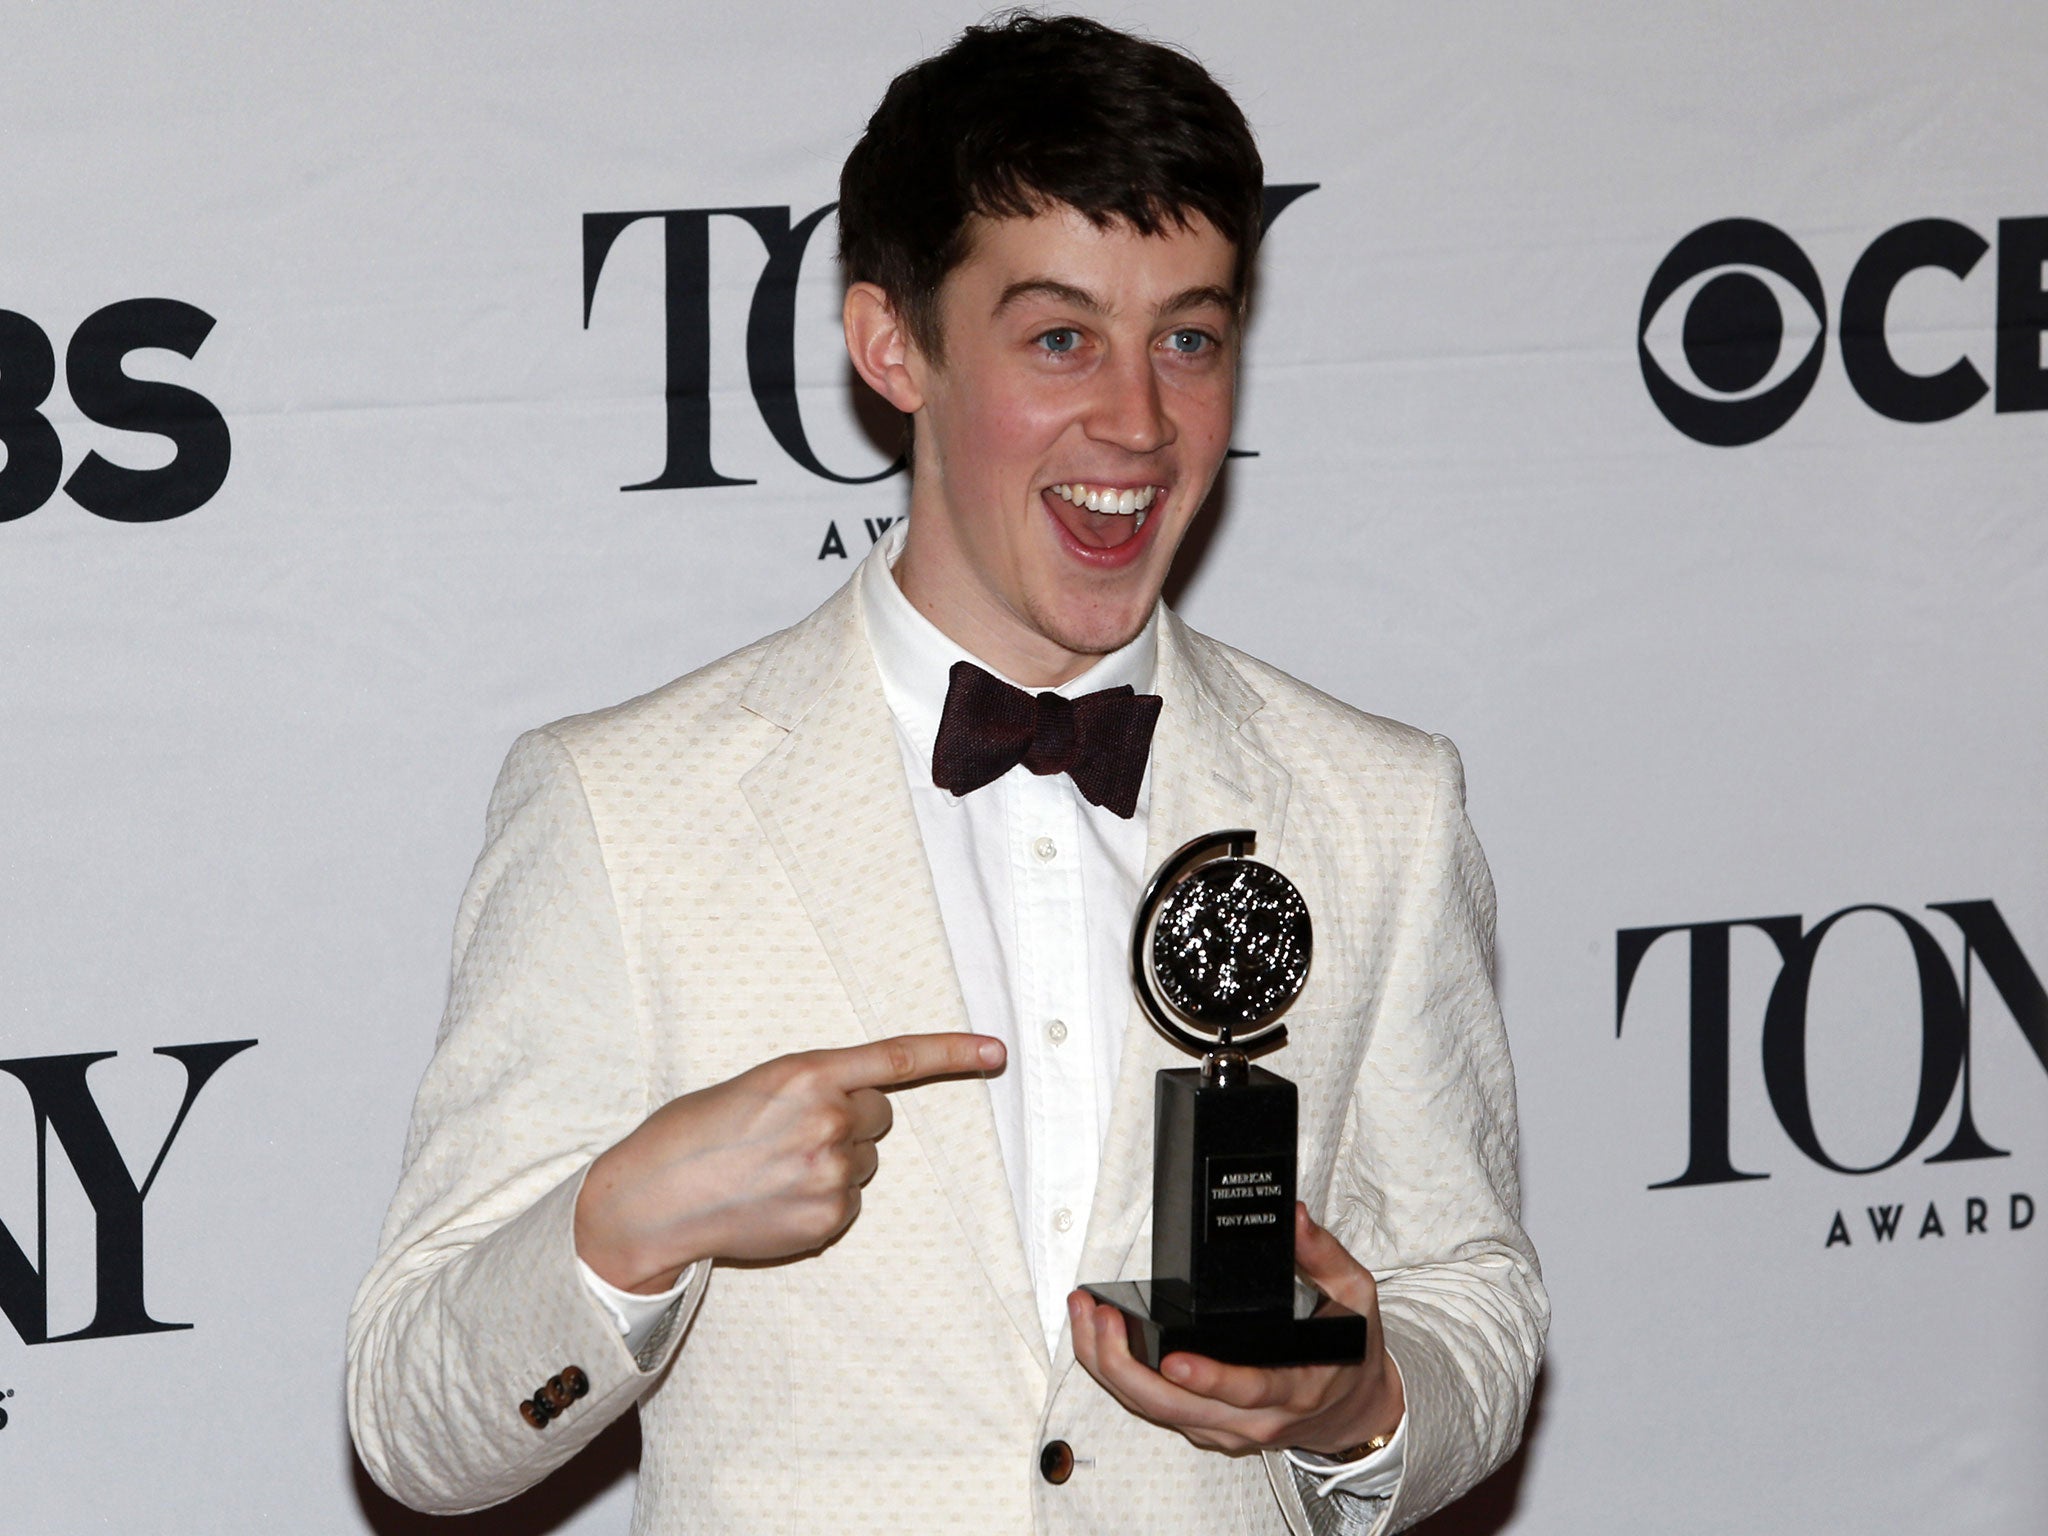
x=1740, y=368
x=1733, y=329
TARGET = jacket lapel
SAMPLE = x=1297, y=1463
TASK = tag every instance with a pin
x=1206, y=777
x=833, y=804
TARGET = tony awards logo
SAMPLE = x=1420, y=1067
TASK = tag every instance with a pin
x=1219, y=951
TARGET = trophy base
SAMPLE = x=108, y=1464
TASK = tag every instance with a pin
x=1157, y=1328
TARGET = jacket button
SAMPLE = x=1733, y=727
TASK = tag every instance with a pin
x=1056, y=1462
x=574, y=1379
x=536, y=1412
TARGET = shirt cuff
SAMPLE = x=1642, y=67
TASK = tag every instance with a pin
x=636, y=1315
x=1370, y=1477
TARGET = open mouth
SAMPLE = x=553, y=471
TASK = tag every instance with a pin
x=1101, y=517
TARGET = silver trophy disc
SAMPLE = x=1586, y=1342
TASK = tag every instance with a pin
x=1221, y=947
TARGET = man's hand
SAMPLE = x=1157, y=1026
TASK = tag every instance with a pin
x=1239, y=1408
x=764, y=1166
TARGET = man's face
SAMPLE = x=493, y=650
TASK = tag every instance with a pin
x=1069, y=436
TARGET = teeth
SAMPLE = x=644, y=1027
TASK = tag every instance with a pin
x=1115, y=503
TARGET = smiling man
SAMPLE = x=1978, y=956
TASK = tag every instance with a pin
x=874, y=877
x=1068, y=432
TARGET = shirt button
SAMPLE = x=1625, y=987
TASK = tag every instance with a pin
x=1056, y=1031
x=1046, y=849
x=1062, y=1220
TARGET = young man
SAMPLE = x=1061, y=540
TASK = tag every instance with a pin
x=646, y=1164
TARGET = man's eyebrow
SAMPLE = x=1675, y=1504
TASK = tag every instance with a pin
x=1204, y=295
x=1049, y=288
x=1197, y=298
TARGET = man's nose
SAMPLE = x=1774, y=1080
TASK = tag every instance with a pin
x=1129, y=410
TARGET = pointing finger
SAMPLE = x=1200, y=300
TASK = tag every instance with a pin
x=905, y=1059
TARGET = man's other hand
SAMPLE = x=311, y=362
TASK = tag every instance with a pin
x=764, y=1166
x=1239, y=1408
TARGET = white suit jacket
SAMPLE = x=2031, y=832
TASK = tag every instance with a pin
x=728, y=869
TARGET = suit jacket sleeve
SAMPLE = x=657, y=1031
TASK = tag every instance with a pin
x=1427, y=1191
x=475, y=1300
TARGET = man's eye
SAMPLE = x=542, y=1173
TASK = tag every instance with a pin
x=1189, y=343
x=1062, y=339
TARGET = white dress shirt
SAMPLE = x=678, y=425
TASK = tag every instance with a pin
x=1037, y=889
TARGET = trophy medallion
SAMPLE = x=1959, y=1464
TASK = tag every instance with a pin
x=1220, y=949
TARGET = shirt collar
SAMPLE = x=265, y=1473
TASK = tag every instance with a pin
x=915, y=657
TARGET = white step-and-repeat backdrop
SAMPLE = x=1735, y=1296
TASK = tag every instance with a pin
x=1656, y=401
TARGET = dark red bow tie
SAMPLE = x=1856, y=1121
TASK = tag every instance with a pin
x=1098, y=740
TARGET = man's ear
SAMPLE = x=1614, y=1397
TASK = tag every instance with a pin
x=879, y=344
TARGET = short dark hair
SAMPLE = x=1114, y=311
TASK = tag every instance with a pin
x=1028, y=111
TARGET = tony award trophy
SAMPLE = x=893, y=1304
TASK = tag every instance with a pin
x=1219, y=951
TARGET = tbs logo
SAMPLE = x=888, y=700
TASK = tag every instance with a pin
x=1733, y=328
